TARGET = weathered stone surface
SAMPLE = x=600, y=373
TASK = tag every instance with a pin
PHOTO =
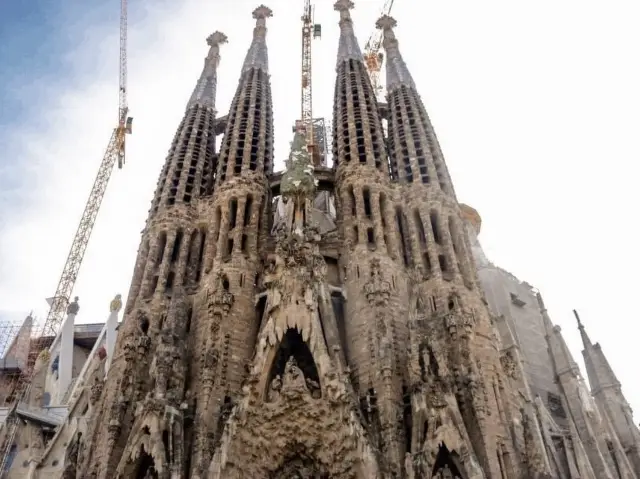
x=273, y=339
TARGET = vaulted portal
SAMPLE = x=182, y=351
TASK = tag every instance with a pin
x=145, y=467
x=293, y=364
x=447, y=465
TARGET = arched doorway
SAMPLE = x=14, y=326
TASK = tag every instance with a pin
x=447, y=465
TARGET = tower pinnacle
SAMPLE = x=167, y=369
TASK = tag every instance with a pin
x=586, y=341
x=348, y=47
x=205, y=91
x=397, y=71
x=261, y=14
x=257, y=56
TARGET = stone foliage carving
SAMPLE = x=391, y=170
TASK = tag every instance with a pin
x=509, y=365
x=219, y=300
x=377, y=289
x=96, y=390
x=168, y=370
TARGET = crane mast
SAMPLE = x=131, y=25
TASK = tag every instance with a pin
x=115, y=152
x=305, y=124
x=58, y=304
x=373, y=55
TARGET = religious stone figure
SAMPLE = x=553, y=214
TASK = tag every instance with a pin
x=274, y=389
x=293, y=379
x=73, y=307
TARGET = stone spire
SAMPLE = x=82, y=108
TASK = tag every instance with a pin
x=586, y=341
x=397, y=71
x=599, y=370
x=348, y=48
x=190, y=163
x=414, y=151
x=205, y=91
x=257, y=56
x=359, y=136
x=248, y=139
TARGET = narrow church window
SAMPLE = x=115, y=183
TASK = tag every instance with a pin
x=435, y=226
x=404, y=244
x=218, y=221
x=233, y=212
x=189, y=316
x=421, y=233
x=443, y=263
x=247, y=210
x=366, y=195
x=175, y=252
x=371, y=238
x=243, y=244
x=203, y=242
x=260, y=309
x=170, y=277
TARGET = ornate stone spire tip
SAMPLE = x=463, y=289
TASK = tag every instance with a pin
x=262, y=12
x=216, y=38
x=386, y=22
x=343, y=5
x=580, y=325
x=116, y=303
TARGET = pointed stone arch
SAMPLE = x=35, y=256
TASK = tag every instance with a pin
x=447, y=465
x=141, y=464
x=154, y=447
x=292, y=350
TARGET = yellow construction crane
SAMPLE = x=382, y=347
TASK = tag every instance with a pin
x=373, y=55
x=310, y=31
x=115, y=153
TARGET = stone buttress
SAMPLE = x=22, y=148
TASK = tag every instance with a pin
x=227, y=323
x=168, y=268
x=465, y=410
x=374, y=281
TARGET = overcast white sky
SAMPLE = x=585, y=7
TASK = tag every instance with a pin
x=535, y=104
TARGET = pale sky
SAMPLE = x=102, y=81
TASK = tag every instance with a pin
x=535, y=105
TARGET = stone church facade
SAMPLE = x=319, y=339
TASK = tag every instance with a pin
x=266, y=337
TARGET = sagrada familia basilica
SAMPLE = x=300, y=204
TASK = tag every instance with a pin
x=322, y=322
